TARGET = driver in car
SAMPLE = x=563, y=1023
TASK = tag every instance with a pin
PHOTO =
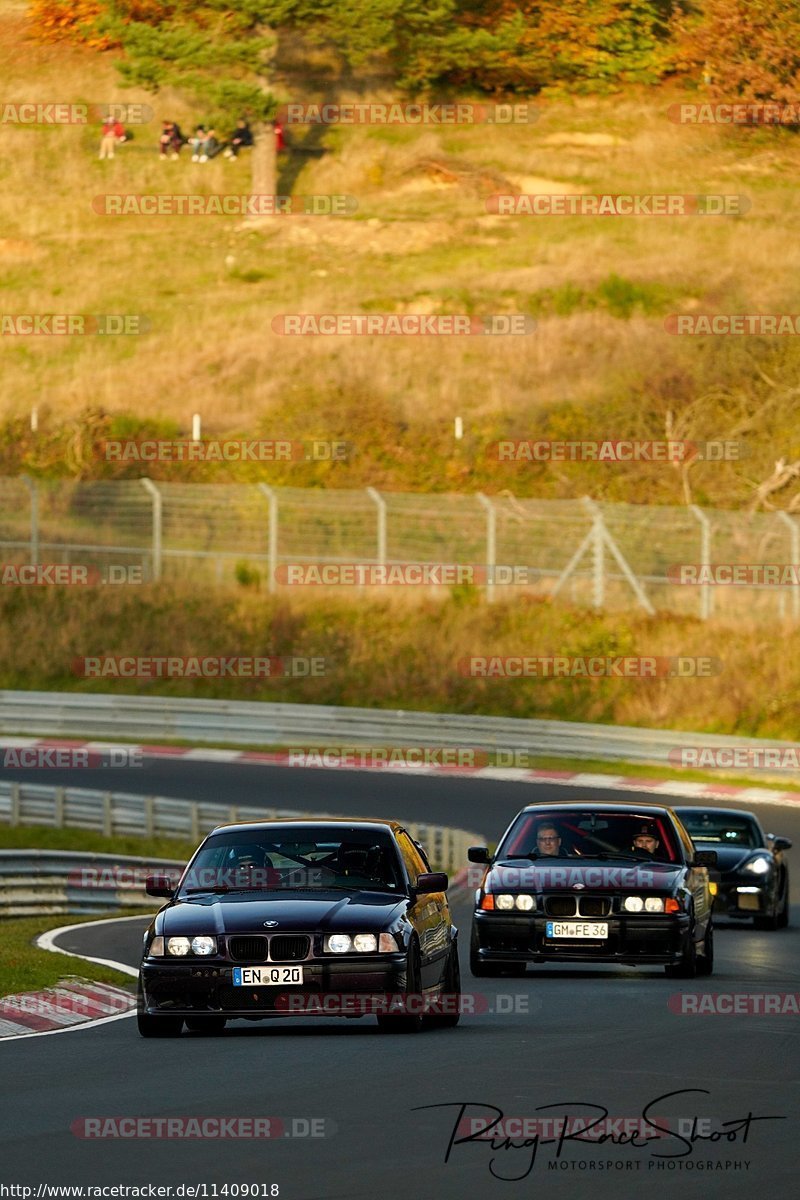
x=645, y=840
x=548, y=841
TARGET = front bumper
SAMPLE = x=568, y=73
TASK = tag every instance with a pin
x=631, y=939
x=195, y=989
x=731, y=902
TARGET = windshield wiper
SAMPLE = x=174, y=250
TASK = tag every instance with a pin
x=532, y=854
x=218, y=890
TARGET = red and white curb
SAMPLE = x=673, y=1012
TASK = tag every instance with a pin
x=599, y=782
x=72, y=1002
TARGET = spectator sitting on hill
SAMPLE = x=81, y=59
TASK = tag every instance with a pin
x=113, y=132
x=197, y=140
x=209, y=147
x=170, y=141
x=242, y=136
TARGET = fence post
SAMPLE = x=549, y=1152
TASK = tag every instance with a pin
x=491, y=544
x=272, y=549
x=149, y=817
x=705, y=558
x=108, y=815
x=58, y=808
x=195, y=823
x=794, y=533
x=380, y=504
x=30, y=484
x=598, y=557
x=16, y=805
x=153, y=491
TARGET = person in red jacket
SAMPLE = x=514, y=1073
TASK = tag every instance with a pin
x=113, y=132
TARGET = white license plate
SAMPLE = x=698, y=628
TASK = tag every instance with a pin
x=261, y=976
x=577, y=929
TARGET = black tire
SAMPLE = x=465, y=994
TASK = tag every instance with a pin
x=771, y=922
x=783, y=915
x=158, y=1027
x=451, y=988
x=408, y=1023
x=705, y=961
x=155, y=1026
x=209, y=1025
x=687, y=967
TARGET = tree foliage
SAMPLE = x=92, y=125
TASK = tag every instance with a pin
x=749, y=49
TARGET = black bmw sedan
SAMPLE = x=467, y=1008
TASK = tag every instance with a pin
x=752, y=875
x=295, y=918
x=587, y=881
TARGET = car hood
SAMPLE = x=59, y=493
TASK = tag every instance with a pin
x=729, y=858
x=306, y=911
x=570, y=874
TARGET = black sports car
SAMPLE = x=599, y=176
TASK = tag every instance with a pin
x=752, y=877
x=280, y=918
x=586, y=881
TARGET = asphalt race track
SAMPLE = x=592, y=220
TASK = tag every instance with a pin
x=558, y=1037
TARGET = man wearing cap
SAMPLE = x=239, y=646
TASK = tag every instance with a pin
x=645, y=839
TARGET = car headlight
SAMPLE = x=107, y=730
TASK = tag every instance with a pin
x=653, y=904
x=525, y=903
x=156, y=948
x=758, y=866
x=633, y=903
x=179, y=946
x=504, y=901
x=365, y=943
x=338, y=943
x=204, y=945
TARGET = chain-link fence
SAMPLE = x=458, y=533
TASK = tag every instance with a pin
x=702, y=562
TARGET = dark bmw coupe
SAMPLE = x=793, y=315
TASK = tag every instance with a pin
x=290, y=918
x=586, y=881
x=752, y=875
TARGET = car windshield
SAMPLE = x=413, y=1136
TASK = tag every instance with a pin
x=592, y=833
x=288, y=859
x=721, y=829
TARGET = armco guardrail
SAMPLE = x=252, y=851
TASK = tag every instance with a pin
x=152, y=816
x=249, y=723
x=45, y=882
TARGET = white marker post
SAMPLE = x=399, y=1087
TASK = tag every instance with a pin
x=196, y=423
x=459, y=429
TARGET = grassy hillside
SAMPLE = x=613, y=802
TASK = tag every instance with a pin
x=381, y=653
x=600, y=363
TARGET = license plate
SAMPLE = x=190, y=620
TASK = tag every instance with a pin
x=261, y=976
x=577, y=929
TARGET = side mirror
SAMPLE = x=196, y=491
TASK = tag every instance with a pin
x=705, y=858
x=478, y=854
x=159, y=885
x=780, y=843
x=431, y=881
